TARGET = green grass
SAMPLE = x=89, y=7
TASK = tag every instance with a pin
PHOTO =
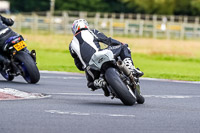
x=55, y=61
x=168, y=67
x=165, y=67
x=53, y=54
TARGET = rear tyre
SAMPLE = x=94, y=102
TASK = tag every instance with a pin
x=119, y=88
x=28, y=67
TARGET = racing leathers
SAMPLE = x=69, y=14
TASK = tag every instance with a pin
x=5, y=33
x=86, y=42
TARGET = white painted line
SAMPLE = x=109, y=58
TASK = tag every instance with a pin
x=146, y=96
x=23, y=95
x=168, y=80
x=58, y=72
x=172, y=96
x=76, y=94
x=143, y=78
x=86, y=114
x=120, y=115
x=59, y=77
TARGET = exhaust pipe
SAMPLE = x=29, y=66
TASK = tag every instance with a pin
x=125, y=70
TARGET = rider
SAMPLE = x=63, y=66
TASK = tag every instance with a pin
x=86, y=42
x=5, y=33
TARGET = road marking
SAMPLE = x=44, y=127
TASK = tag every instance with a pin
x=4, y=96
x=12, y=94
x=143, y=78
x=86, y=114
x=59, y=77
x=146, y=96
x=168, y=80
x=57, y=72
x=65, y=113
x=76, y=94
x=172, y=96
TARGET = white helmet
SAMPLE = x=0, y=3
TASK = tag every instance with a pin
x=78, y=25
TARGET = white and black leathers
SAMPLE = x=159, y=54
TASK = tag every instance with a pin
x=86, y=42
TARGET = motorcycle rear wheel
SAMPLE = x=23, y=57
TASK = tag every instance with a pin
x=119, y=88
x=28, y=67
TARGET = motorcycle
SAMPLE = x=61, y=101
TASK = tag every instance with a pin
x=21, y=61
x=120, y=82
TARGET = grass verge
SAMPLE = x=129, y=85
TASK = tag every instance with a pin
x=53, y=55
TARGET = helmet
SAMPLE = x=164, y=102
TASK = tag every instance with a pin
x=78, y=25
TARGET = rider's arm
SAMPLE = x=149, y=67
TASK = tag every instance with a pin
x=104, y=39
x=7, y=21
x=77, y=61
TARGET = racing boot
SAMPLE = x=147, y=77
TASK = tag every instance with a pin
x=129, y=64
x=100, y=83
x=91, y=86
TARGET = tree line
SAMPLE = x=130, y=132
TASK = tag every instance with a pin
x=165, y=7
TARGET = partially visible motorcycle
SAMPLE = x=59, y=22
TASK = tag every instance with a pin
x=120, y=82
x=22, y=62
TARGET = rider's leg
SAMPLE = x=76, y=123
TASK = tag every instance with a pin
x=94, y=82
x=129, y=64
x=125, y=54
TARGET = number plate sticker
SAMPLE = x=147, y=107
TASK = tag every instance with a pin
x=20, y=45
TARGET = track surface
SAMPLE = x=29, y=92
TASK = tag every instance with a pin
x=72, y=108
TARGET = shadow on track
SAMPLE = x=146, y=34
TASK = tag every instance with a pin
x=104, y=103
x=112, y=104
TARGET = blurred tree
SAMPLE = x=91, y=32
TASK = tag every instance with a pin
x=182, y=7
x=177, y=7
x=195, y=5
x=80, y=5
x=164, y=7
x=151, y=6
x=29, y=5
x=91, y=5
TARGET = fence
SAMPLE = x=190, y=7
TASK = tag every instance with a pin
x=139, y=25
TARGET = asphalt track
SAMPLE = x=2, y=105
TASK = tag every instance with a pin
x=170, y=107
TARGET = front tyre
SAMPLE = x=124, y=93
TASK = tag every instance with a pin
x=28, y=67
x=7, y=76
x=119, y=88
